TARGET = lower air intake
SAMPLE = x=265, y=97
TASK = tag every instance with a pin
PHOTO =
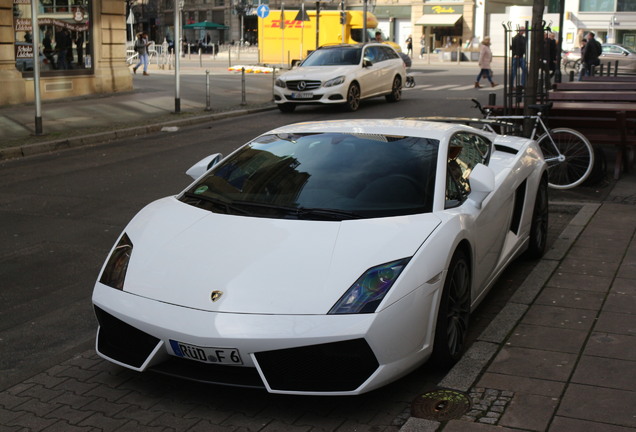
x=123, y=342
x=333, y=367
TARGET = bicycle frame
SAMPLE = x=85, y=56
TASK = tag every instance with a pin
x=538, y=123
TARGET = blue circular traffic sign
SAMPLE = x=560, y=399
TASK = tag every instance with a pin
x=262, y=11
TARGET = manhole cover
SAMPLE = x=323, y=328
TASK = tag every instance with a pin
x=440, y=405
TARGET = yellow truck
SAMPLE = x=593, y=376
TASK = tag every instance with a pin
x=288, y=45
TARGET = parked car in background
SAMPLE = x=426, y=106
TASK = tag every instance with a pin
x=626, y=57
x=342, y=74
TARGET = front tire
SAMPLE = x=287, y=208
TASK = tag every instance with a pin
x=539, y=227
x=353, y=98
x=454, y=310
x=396, y=90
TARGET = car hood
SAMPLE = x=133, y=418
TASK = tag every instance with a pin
x=181, y=254
x=321, y=73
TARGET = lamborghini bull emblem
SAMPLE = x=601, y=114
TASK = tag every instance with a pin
x=216, y=295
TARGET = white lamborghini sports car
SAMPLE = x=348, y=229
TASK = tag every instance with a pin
x=325, y=258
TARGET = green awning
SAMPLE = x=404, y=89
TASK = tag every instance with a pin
x=205, y=25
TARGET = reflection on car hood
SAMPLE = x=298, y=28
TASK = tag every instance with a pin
x=318, y=72
x=181, y=254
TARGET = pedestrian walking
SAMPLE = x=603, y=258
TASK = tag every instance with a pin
x=485, y=59
x=409, y=46
x=518, y=52
x=141, y=46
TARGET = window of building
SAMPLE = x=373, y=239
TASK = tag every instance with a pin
x=626, y=5
x=596, y=5
x=65, y=30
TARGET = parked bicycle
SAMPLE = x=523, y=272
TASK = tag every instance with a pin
x=569, y=155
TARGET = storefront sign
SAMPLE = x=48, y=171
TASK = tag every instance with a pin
x=22, y=24
x=443, y=9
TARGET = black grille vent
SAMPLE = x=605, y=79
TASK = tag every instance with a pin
x=121, y=341
x=210, y=373
x=332, y=367
x=307, y=86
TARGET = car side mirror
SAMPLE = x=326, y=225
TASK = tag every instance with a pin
x=367, y=62
x=204, y=165
x=482, y=183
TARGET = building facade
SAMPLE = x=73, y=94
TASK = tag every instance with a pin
x=82, y=49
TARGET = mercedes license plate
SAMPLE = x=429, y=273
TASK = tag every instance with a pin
x=302, y=95
x=228, y=356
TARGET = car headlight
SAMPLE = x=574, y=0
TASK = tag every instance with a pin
x=280, y=83
x=367, y=292
x=333, y=82
x=115, y=270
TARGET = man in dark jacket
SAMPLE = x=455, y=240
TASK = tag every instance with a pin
x=590, y=55
x=518, y=52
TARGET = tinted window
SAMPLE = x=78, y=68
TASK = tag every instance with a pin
x=333, y=57
x=465, y=151
x=284, y=175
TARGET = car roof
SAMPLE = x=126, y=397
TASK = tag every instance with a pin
x=397, y=127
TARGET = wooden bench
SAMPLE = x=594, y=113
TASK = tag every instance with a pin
x=596, y=86
x=606, y=78
x=592, y=96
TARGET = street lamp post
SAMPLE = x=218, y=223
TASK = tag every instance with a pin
x=178, y=6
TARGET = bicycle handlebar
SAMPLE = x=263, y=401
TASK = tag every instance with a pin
x=478, y=105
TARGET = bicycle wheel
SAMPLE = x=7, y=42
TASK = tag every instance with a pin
x=570, y=158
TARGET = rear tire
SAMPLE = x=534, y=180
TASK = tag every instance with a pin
x=454, y=311
x=539, y=227
x=577, y=158
x=396, y=90
x=286, y=107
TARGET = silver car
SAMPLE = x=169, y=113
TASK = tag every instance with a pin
x=626, y=57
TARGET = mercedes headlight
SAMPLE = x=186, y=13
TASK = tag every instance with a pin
x=334, y=82
x=280, y=83
x=367, y=292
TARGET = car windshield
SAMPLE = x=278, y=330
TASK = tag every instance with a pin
x=334, y=57
x=322, y=176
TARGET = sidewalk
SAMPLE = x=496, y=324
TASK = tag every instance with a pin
x=561, y=355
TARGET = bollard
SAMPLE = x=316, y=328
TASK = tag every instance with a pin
x=200, y=58
x=229, y=55
x=207, y=91
x=616, y=68
x=492, y=99
x=571, y=76
x=273, y=81
x=243, y=102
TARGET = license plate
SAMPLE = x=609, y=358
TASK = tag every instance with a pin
x=206, y=354
x=302, y=95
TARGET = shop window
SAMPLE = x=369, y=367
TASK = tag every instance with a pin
x=626, y=5
x=596, y=5
x=65, y=30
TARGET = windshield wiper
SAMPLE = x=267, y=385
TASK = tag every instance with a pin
x=224, y=204
x=303, y=212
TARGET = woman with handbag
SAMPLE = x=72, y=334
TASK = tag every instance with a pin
x=485, y=59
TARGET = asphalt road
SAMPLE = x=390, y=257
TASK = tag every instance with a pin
x=60, y=214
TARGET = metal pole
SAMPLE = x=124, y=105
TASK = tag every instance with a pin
x=273, y=81
x=177, y=52
x=35, y=33
x=207, y=91
x=364, y=22
x=243, y=102
x=200, y=58
x=317, y=24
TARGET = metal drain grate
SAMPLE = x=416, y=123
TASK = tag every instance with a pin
x=440, y=405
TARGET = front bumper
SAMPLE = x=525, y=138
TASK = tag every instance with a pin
x=329, y=95
x=296, y=354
